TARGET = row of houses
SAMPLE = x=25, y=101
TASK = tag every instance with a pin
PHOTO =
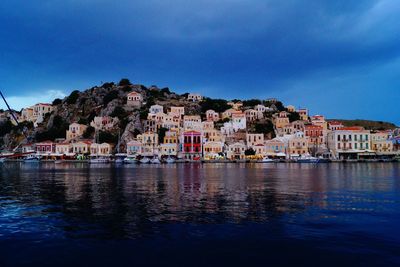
x=84, y=147
x=193, y=136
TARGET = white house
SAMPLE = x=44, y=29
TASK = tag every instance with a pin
x=156, y=109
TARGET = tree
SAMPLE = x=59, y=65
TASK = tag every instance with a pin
x=108, y=85
x=57, y=130
x=82, y=121
x=110, y=96
x=143, y=114
x=88, y=133
x=249, y=152
x=5, y=128
x=136, y=132
x=161, y=134
x=126, y=88
x=56, y=102
x=218, y=105
x=107, y=137
x=119, y=112
x=265, y=128
x=165, y=91
x=73, y=97
x=222, y=121
x=251, y=102
x=124, y=81
x=279, y=106
x=293, y=116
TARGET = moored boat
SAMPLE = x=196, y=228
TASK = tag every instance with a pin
x=99, y=160
x=307, y=159
x=130, y=160
x=155, y=160
x=267, y=160
x=32, y=159
x=170, y=160
x=145, y=160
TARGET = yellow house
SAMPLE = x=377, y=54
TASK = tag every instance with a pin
x=213, y=135
x=194, y=97
x=275, y=148
x=134, y=99
x=380, y=142
x=298, y=145
x=82, y=147
x=281, y=120
x=235, y=151
x=211, y=115
x=149, y=142
x=303, y=112
x=290, y=108
x=75, y=130
x=40, y=110
x=319, y=120
x=27, y=114
x=177, y=111
x=254, y=139
x=212, y=149
x=236, y=105
x=103, y=149
x=252, y=114
x=62, y=148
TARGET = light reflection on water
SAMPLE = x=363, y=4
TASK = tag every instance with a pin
x=347, y=212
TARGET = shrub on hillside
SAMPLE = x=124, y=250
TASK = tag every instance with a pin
x=73, y=97
x=218, y=105
x=110, y=96
x=124, y=82
x=56, y=102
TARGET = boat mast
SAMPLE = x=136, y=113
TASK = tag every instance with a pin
x=13, y=115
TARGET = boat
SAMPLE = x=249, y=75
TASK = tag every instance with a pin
x=169, y=160
x=32, y=159
x=267, y=160
x=58, y=161
x=119, y=161
x=130, y=160
x=100, y=160
x=155, y=160
x=307, y=159
x=145, y=160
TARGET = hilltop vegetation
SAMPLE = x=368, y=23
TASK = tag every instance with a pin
x=368, y=124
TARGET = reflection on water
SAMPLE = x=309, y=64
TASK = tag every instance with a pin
x=347, y=212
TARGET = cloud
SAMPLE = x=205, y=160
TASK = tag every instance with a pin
x=19, y=102
x=247, y=48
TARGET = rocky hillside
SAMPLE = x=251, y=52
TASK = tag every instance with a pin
x=109, y=99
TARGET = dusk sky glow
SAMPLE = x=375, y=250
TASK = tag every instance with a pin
x=338, y=58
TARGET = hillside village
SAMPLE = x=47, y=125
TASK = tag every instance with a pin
x=137, y=121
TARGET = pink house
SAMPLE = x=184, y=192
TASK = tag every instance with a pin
x=192, y=145
x=45, y=147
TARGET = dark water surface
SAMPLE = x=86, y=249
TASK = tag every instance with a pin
x=200, y=215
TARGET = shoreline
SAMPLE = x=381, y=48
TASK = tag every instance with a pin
x=203, y=162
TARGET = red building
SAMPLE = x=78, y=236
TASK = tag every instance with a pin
x=45, y=147
x=192, y=145
x=314, y=135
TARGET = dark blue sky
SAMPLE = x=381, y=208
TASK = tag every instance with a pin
x=339, y=58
